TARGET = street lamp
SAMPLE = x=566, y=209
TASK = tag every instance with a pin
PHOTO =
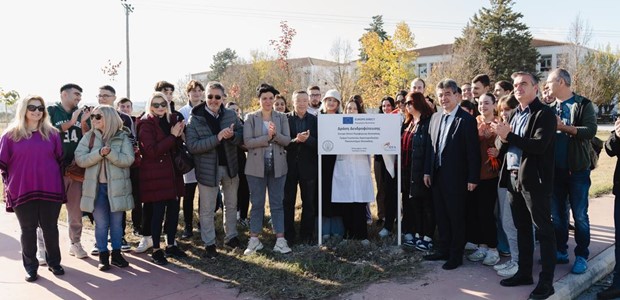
x=128, y=9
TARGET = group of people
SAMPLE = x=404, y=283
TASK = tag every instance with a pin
x=488, y=167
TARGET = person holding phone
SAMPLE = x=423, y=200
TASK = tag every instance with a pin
x=213, y=135
x=71, y=121
x=302, y=159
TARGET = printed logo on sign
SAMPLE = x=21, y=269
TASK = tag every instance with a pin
x=347, y=120
x=388, y=147
x=328, y=146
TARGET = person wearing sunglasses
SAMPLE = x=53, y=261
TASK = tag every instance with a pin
x=30, y=164
x=213, y=136
x=107, y=96
x=106, y=153
x=167, y=89
x=161, y=185
x=71, y=121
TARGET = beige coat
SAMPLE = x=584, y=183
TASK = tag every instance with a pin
x=256, y=142
x=117, y=164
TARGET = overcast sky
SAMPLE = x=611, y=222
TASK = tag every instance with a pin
x=46, y=44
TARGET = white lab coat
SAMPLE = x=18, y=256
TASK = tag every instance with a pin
x=352, y=181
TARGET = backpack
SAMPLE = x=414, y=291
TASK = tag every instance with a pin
x=596, y=145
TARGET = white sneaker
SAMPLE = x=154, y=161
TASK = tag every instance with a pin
x=41, y=257
x=281, y=246
x=471, y=247
x=77, y=250
x=505, y=265
x=408, y=237
x=145, y=243
x=510, y=270
x=254, y=245
x=478, y=255
x=492, y=258
x=94, y=251
x=384, y=233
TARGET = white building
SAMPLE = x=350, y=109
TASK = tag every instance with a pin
x=312, y=71
x=551, y=53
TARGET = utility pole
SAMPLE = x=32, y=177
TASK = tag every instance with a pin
x=128, y=9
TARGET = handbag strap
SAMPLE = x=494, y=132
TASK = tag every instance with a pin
x=91, y=142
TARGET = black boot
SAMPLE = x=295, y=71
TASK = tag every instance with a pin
x=118, y=259
x=104, y=261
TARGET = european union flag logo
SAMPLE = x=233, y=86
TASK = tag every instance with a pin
x=347, y=120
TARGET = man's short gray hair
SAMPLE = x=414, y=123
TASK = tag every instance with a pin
x=299, y=92
x=448, y=83
x=216, y=85
x=562, y=74
x=523, y=73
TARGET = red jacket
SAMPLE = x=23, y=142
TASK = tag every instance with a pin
x=159, y=180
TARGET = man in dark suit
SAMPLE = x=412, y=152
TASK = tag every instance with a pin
x=528, y=140
x=452, y=169
x=301, y=156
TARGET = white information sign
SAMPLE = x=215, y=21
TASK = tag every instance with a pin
x=359, y=134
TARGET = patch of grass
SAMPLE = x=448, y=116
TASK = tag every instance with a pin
x=602, y=176
x=309, y=272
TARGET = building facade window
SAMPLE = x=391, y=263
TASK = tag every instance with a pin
x=545, y=63
x=422, y=70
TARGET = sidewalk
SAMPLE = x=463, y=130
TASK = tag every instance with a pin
x=82, y=280
x=144, y=280
x=475, y=281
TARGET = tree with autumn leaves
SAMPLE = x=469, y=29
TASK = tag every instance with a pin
x=388, y=66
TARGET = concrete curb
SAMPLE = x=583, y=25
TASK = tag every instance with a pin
x=572, y=285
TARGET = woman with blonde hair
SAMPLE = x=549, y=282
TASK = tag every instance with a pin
x=30, y=158
x=161, y=184
x=106, y=153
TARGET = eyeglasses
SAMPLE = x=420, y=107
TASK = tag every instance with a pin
x=158, y=105
x=96, y=117
x=217, y=97
x=40, y=108
x=104, y=96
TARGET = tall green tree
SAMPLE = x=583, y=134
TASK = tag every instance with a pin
x=505, y=39
x=375, y=26
x=221, y=61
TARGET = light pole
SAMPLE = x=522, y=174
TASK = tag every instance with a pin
x=128, y=9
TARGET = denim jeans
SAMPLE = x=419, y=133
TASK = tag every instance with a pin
x=106, y=220
x=332, y=226
x=570, y=190
x=275, y=186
